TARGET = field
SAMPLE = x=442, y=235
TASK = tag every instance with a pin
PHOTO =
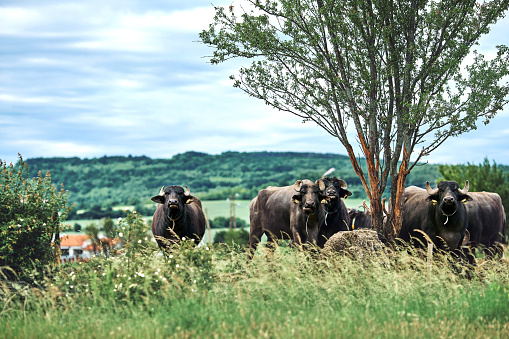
x=213, y=209
x=214, y=293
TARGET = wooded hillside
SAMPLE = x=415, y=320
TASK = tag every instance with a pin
x=111, y=181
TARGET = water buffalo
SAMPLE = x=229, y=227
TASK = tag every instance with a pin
x=337, y=218
x=291, y=212
x=178, y=215
x=359, y=219
x=486, y=219
x=439, y=212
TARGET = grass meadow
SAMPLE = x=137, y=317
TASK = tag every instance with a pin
x=212, y=292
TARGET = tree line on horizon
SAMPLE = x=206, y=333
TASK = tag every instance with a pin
x=98, y=184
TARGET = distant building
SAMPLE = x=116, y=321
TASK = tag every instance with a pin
x=74, y=247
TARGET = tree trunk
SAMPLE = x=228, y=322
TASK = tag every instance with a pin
x=395, y=217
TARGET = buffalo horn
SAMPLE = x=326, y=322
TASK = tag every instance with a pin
x=297, y=185
x=465, y=189
x=187, y=191
x=343, y=184
x=321, y=184
x=430, y=190
x=162, y=191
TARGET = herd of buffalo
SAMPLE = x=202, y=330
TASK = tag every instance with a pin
x=311, y=212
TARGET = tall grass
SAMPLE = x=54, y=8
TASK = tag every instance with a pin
x=214, y=292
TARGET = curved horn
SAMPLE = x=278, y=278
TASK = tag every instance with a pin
x=430, y=190
x=321, y=184
x=332, y=169
x=343, y=184
x=297, y=185
x=188, y=192
x=162, y=191
x=465, y=189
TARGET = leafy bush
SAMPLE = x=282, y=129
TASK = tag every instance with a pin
x=232, y=236
x=31, y=214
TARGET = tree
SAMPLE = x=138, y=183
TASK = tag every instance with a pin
x=395, y=70
x=482, y=177
x=31, y=215
x=93, y=232
x=109, y=228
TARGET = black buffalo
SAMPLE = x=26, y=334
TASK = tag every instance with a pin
x=439, y=212
x=337, y=218
x=291, y=212
x=359, y=219
x=178, y=215
x=486, y=219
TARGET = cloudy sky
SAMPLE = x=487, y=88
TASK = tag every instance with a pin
x=119, y=77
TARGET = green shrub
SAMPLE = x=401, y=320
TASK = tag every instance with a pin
x=238, y=236
x=31, y=214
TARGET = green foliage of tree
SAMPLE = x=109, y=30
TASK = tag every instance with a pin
x=92, y=230
x=223, y=222
x=109, y=228
x=31, y=215
x=238, y=236
x=398, y=72
x=482, y=177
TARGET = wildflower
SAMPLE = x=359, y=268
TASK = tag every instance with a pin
x=171, y=256
x=119, y=219
x=121, y=234
x=139, y=241
x=207, y=248
x=177, y=266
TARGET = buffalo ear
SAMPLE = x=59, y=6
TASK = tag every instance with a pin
x=188, y=199
x=158, y=198
x=464, y=197
x=345, y=193
x=433, y=198
x=297, y=198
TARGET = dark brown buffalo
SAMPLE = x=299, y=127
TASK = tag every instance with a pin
x=336, y=218
x=439, y=212
x=486, y=219
x=359, y=219
x=178, y=215
x=291, y=212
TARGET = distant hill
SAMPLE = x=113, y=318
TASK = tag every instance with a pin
x=112, y=181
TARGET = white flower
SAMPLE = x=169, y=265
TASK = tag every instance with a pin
x=139, y=241
x=171, y=256
x=177, y=266
x=121, y=234
x=119, y=220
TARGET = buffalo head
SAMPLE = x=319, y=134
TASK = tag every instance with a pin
x=310, y=195
x=173, y=199
x=448, y=196
x=335, y=189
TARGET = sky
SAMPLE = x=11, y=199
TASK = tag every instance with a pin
x=129, y=77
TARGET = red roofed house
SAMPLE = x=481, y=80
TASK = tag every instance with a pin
x=75, y=246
